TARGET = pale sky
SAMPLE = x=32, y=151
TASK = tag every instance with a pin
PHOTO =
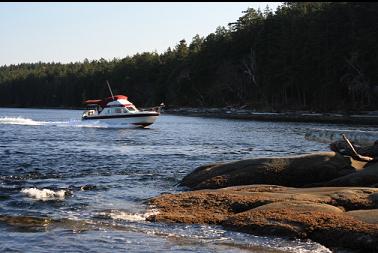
x=70, y=32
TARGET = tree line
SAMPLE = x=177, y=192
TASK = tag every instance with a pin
x=318, y=56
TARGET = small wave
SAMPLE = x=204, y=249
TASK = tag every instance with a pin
x=44, y=194
x=128, y=216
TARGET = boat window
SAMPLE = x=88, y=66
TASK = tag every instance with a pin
x=117, y=110
x=131, y=109
x=124, y=110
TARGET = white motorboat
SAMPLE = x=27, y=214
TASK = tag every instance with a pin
x=118, y=110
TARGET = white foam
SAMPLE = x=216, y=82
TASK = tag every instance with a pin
x=44, y=194
x=122, y=215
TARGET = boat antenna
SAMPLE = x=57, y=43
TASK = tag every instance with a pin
x=110, y=89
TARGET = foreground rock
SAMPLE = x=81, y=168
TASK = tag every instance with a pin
x=296, y=171
x=332, y=216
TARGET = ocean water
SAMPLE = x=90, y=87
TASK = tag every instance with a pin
x=72, y=186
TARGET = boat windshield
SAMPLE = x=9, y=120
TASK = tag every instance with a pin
x=91, y=107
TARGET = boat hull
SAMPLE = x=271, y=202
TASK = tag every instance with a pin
x=142, y=120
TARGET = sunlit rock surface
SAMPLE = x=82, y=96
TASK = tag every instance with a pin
x=333, y=216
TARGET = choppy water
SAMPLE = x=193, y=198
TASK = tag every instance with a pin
x=66, y=186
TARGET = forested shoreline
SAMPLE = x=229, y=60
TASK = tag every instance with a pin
x=311, y=56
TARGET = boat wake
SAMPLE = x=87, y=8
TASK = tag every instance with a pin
x=69, y=123
x=20, y=121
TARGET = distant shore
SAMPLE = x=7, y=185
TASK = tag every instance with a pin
x=363, y=118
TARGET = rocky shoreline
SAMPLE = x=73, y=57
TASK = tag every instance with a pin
x=326, y=197
x=361, y=118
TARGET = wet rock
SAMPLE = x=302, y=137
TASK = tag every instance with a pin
x=41, y=224
x=294, y=171
x=322, y=214
x=26, y=223
x=88, y=187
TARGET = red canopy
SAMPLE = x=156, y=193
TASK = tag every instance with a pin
x=103, y=102
x=93, y=101
x=116, y=97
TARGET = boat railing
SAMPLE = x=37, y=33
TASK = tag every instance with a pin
x=155, y=108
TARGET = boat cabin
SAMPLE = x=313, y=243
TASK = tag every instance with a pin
x=109, y=106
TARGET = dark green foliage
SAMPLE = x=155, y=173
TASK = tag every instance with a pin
x=305, y=56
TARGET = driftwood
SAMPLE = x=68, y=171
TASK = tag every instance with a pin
x=346, y=147
x=355, y=155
